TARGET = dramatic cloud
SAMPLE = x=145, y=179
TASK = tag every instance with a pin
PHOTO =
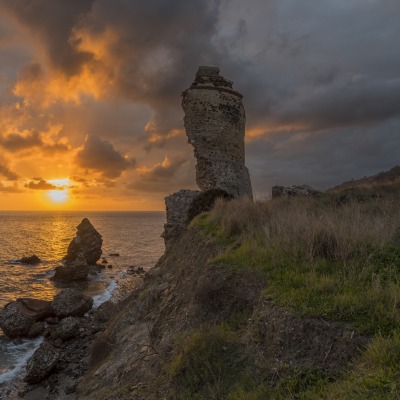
x=41, y=184
x=320, y=80
x=15, y=142
x=164, y=177
x=7, y=173
x=101, y=156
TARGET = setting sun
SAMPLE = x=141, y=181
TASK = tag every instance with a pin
x=58, y=196
x=60, y=192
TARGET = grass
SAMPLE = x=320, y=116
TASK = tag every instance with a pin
x=323, y=257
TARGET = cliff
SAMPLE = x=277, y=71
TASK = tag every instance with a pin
x=290, y=298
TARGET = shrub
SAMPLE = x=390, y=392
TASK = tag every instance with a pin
x=205, y=202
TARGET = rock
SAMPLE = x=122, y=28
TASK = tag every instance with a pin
x=66, y=329
x=37, y=309
x=105, y=311
x=36, y=329
x=42, y=362
x=88, y=241
x=215, y=126
x=13, y=321
x=76, y=270
x=32, y=260
x=114, y=254
x=71, y=303
x=295, y=191
x=18, y=317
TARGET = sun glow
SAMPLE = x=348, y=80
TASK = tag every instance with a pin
x=60, y=195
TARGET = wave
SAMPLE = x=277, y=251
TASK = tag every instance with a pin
x=17, y=356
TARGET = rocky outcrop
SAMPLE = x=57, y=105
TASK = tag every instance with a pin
x=295, y=191
x=177, y=207
x=87, y=241
x=83, y=251
x=41, y=363
x=215, y=126
x=76, y=270
x=71, y=303
x=31, y=260
x=19, y=318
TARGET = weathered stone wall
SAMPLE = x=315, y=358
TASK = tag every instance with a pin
x=215, y=125
x=177, y=206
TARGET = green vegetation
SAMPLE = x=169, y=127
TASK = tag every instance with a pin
x=320, y=257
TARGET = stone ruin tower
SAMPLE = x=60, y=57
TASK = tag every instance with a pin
x=215, y=125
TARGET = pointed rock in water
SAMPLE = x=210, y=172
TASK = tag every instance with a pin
x=42, y=362
x=32, y=260
x=88, y=241
x=76, y=270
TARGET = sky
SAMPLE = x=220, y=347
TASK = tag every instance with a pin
x=90, y=95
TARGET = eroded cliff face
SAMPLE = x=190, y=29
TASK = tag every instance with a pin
x=215, y=126
x=189, y=317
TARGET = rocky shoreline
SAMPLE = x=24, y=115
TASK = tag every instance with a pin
x=69, y=341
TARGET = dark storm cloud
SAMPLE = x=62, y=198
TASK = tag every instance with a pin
x=52, y=23
x=7, y=173
x=320, y=79
x=165, y=177
x=41, y=184
x=101, y=156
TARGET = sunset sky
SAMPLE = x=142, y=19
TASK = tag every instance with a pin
x=90, y=106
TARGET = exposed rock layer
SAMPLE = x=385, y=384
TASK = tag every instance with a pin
x=295, y=191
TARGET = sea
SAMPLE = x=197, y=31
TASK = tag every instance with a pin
x=135, y=236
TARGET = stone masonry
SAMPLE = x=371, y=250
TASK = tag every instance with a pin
x=215, y=125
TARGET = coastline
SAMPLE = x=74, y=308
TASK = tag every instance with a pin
x=59, y=385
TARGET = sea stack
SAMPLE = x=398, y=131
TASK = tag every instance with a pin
x=215, y=126
x=83, y=251
x=87, y=241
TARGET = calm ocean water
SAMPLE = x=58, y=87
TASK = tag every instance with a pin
x=134, y=235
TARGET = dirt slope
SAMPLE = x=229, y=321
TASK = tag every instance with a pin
x=139, y=356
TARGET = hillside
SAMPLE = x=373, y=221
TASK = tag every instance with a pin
x=290, y=298
x=389, y=177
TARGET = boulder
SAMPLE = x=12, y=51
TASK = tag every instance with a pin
x=66, y=329
x=71, y=303
x=295, y=191
x=31, y=260
x=88, y=241
x=13, y=321
x=37, y=309
x=76, y=270
x=42, y=362
x=18, y=317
